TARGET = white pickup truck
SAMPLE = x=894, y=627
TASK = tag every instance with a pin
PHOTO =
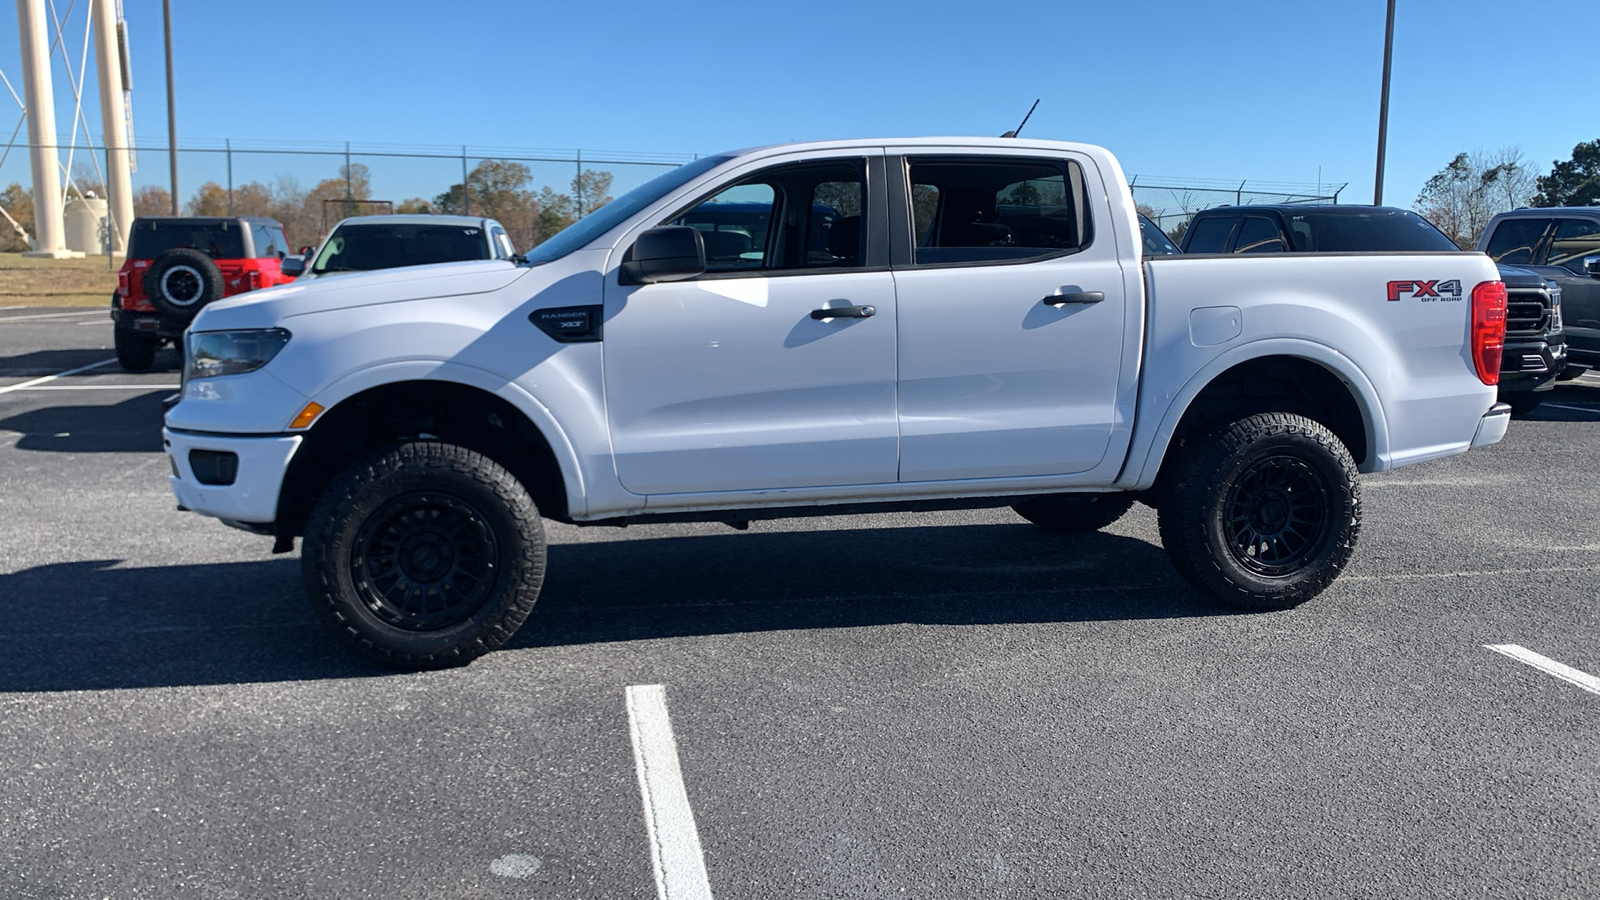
x=825, y=328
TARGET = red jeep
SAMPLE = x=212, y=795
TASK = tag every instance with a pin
x=176, y=265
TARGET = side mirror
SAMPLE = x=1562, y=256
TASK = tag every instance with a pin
x=1591, y=264
x=668, y=253
x=293, y=266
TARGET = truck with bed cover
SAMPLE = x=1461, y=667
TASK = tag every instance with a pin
x=976, y=326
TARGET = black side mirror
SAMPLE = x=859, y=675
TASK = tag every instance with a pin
x=668, y=253
x=293, y=266
x=1591, y=264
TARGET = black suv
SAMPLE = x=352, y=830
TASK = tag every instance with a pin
x=1536, y=344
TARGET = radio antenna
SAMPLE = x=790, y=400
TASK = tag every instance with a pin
x=1015, y=131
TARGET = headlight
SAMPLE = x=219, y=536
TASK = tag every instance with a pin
x=1555, y=306
x=211, y=354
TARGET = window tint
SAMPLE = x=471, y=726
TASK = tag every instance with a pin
x=1208, y=235
x=361, y=248
x=791, y=217
x=1356, y=230
x=987, y=210
x=1514, y=240
x=1155, y=241
x=1258, y=234
x=1574, y=240
x=153, y=237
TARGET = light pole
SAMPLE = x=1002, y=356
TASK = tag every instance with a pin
x=172, y=114
x=1383, y=106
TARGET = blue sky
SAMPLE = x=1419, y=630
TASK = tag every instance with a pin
x=1266, y=91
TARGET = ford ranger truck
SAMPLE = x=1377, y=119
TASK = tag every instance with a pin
x=975, y=326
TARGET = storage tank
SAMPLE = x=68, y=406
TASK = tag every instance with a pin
x=84, y=216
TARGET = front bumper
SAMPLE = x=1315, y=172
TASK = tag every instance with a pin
x=1492, y=427
x=1531, y=365
x=251, y=497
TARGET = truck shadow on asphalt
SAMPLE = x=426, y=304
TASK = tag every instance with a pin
x=131, y=426
x=49, y=362
x=92, y=626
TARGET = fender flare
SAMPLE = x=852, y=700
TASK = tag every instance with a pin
x=561, y=446
x=1152, y=437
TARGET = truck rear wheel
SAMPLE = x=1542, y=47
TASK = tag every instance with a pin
x=424, y=556
x=1263, y=515
x=136, y=352
x=1074, y=513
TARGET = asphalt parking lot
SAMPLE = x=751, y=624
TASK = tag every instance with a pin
x=950, y=705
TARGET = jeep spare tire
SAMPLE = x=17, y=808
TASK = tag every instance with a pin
x=181, y=281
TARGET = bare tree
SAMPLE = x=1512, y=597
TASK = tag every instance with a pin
x=1472, y=188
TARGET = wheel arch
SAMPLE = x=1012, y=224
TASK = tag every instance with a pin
x=1268, y=376
x=368, y=418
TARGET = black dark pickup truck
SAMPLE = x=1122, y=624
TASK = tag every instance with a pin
x=1535, y=353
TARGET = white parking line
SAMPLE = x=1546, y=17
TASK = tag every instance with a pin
x=680, y=866
x=28, y=384
x=1548, y=666
x=87, y=312
x=1592, y=412
x=101, y=387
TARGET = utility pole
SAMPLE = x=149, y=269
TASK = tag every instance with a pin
x=108, y=63
x=1383, y=106
x=48, y=227
x=172, y=112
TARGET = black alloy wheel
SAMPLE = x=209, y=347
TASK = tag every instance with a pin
x=1276, y=515
x=425, y=561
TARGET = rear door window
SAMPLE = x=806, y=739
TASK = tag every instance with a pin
x=1515, y=240
x=1258, y=234
x=269, y=241
x=993, y=210
x=1208, y=235
x=1574, y=240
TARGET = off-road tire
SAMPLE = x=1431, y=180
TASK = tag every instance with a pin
x=1264, y=514
x=1074, y=513
x=408, y=526
x=135, y=352
x=181, y=281
x=1522, y=402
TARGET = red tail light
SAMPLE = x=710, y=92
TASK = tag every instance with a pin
x=1488, y=329
x=122, y=284
x=252, y=281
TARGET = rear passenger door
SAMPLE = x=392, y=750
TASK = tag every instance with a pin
x=1012, y=312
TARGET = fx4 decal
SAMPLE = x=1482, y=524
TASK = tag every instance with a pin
x=1426, y=291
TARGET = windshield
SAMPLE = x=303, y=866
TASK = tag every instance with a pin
x=614, y=213
x=1316, y=231
x=364, y=247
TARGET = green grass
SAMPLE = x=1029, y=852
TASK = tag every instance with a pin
x=57, y=282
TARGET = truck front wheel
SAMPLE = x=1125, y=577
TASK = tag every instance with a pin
x=1265, y=514
x=424, y=556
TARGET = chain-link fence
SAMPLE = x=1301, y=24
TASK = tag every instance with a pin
x=533, y=192
x=1172, y=202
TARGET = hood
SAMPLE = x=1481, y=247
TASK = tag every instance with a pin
x=1520, y=278
x=266, y=308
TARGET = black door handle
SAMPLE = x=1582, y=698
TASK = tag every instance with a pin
x=1060, y=300
x=845, y=312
